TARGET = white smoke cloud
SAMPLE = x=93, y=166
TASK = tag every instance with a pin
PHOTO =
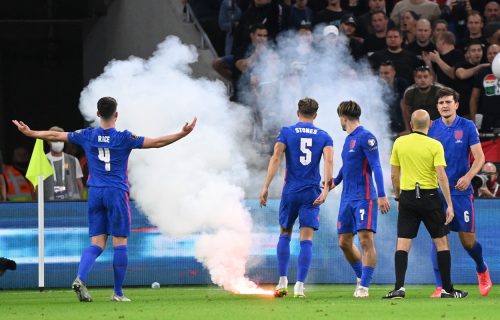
x=194, y=185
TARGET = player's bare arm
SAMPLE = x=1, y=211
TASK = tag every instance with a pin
x=45, y=135
x=163, y=141
x=328, y=172
x=445, y=188
x=478, y=154
x=274, y=164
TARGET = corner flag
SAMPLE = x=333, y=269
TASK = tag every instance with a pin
x=39, y=164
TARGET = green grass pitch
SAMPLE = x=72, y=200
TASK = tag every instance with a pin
x=209, y=302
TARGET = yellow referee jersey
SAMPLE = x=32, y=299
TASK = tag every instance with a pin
x=417, y=155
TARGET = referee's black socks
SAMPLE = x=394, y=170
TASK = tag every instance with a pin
x=444, y=265
x=400, y=265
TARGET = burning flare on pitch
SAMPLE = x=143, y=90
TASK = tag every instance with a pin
x=249, y=287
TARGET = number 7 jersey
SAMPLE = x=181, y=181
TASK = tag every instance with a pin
x=107, y=152
x=304, y=148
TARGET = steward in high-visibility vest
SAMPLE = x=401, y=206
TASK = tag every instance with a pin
x=18, y=187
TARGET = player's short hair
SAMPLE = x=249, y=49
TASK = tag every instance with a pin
x=308, y=107
x=106, y=106
x=448, y=92
x=349, y=109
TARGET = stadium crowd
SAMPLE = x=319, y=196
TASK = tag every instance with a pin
x=415, y=46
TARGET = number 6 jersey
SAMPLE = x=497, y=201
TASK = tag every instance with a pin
x=107, y=152
x=304, y=148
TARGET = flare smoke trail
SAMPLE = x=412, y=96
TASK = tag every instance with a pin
x=192, y=186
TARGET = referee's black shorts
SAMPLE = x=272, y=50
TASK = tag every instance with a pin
x=428, y=209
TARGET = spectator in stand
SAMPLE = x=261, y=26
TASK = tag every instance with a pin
x=396, y=87
x=364, y=21
x=18, y=187
x=444, y=59
x=266, y=12
x=246, y=59
x=492, y=33
x=66, y=182
x=3, y=186
x=348, y=28
x=376, y=41
x=475, y=31
x=404, y=60
x=485, y=96
x=422, y=95
x=298, y=14
x=465, y=72
x=492, y=12
x=440, y=26
x=408, y=27
x=456, y=16
x=424, y=8
x=422, y=41
x=354, y=7
x=331, y=15
x=491, y=189
x=229, y=17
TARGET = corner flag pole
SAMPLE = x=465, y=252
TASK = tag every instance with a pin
x=41, y=233
x=38, y=170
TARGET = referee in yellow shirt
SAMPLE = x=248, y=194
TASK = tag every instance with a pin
x=417, y=165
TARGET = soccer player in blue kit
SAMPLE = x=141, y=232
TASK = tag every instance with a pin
x=303, y=145
x=107, y=152
x=460, y=138
x=359, y=201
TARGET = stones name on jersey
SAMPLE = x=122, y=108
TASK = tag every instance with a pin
x=306, y=130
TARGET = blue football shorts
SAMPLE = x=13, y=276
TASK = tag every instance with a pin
x=300, y=204
x=109, y=212
x=355, y=215
x=463, y=207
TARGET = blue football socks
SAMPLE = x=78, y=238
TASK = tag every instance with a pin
x=476, y=253
x=357, y=267
x=304, y=260
x=366, y=276
x=435, y=268
x=87, y=261
x=283, y=253
x=120, y=262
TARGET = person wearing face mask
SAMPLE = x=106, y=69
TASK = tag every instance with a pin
x=18, y=187
x=66, y=182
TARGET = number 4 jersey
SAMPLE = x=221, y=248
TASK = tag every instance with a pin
x=304, y=148
x=107, y=152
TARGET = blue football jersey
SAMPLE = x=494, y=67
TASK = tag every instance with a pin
x=359, y=156
x=304, y=148
x=107, y=152
x=456, y=140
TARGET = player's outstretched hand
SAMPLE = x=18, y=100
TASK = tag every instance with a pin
x=21, y=126
x=449, y=215
x=189, y=127
x=263, y=197
x=383, y=204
